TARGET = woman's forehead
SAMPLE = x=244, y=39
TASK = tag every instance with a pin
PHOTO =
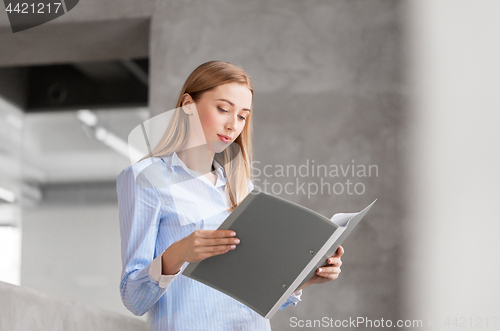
x=233, y=93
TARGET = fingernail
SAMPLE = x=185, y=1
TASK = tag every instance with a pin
x=330, y=261
x=319, y=270
x=233, y=246
x=233, y=234
x=236, y=241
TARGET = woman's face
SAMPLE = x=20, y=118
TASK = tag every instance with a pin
x=223, y=112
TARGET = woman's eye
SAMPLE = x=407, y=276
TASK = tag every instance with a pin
x=243, y=118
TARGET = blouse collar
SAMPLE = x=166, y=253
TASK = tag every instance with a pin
x=219, y=170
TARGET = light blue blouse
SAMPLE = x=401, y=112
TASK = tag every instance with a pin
x=161, y=201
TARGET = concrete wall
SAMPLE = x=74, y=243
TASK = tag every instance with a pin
x=329, y=88
x=26, y=309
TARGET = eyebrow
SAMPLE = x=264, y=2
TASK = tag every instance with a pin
x=232, y=104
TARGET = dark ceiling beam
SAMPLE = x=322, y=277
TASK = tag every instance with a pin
x=137, y=71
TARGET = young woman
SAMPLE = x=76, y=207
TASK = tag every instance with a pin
x=172, y=201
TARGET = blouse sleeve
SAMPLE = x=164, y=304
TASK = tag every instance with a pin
x=292, y=299
x=139, y=214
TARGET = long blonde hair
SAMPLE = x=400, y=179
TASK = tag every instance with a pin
x=205, y=77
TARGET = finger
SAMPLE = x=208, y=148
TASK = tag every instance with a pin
x=213, y=242
x=339, y=252
x=217, y=237
x=220, y=241
x=217, y=233
x=216, y=248
x=328, y=277
x=335, y=261
x=225, y=233
x=326, y=271
x=209, y=251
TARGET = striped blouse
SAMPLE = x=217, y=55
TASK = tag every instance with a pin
x=161, y=201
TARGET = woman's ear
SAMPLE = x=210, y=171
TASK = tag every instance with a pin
x=187, y=104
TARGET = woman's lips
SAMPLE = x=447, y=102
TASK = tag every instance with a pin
x=224, y=138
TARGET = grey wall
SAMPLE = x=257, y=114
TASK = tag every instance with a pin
x=328, y=87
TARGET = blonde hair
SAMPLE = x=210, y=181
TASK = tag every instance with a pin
x=206, y=77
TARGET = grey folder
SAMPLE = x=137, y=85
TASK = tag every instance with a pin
x=282, y=245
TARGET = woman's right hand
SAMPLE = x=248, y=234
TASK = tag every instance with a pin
x=201, y=244
x=197, y=246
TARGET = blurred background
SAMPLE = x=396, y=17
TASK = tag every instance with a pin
x=410, y=87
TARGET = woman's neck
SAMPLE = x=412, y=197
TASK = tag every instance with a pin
x=199, y=158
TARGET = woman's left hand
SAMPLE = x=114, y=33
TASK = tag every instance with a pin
x=326, y=274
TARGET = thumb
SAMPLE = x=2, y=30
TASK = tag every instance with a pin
x=339, y=252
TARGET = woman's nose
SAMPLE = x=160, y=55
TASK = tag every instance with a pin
x=231, y=123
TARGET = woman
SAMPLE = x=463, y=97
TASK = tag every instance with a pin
x=172, y=201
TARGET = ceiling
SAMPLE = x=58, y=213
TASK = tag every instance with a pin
x=44, y=142
x=56, y=144
x=53, y=147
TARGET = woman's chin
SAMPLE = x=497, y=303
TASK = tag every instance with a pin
x=218, y=146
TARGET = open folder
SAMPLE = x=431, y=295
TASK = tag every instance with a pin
x=282, y=245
